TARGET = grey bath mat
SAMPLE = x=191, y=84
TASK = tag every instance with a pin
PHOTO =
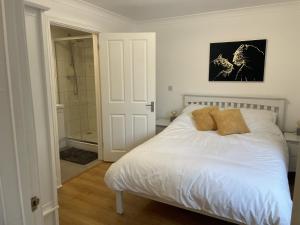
x=79, y=156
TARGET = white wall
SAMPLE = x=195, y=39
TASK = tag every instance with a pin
x=183, y=54
x=85, y=15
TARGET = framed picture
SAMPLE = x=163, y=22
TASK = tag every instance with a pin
x=237, y=61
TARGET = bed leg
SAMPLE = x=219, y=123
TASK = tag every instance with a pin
x=119, y=202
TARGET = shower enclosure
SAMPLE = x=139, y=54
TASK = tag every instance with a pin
x=76, y=86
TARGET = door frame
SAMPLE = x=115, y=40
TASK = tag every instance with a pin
x=51, y=85
x=20, y=104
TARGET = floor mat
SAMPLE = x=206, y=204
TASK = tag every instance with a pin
x=79, y=156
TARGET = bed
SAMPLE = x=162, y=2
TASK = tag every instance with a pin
x=238, y=178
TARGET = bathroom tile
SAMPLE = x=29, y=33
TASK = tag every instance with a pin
x=78, y=67
x=82, y=84
x=74, y=126
x=90, y=82
x=92, y=110
x=84, y=124
x=83, y=110
x=66, y=112
x=69, y=84
x=74, y=98
x=69, y=69
x=73, y=114
x=83, y=97
x=80, y=110
x=60, y=68
x=93, y=124
x=66, y=98
x=92, y=115
x=61, y=83
x=61, y=98
x=91, y=98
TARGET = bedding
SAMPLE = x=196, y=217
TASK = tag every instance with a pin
x=240, y=177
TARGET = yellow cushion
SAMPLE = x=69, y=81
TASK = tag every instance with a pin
x=230, y=121
x=203, y=119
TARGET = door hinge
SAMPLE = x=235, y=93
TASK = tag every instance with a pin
x=35, y=201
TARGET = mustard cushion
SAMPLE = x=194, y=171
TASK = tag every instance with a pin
x=203, y=119
x=230, y=121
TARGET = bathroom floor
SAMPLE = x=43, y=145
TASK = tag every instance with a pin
x=70, y=170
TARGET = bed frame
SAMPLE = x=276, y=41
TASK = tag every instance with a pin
x=277, y=105
x=273, y=104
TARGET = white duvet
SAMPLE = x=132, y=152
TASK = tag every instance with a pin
x=238, y=177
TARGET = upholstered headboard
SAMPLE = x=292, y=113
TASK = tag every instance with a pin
x=273, y=104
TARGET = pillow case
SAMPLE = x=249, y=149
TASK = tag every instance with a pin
x=203, y=119
x=230, y=121
x=253, y=115
x=248, y=114
x=259, y=120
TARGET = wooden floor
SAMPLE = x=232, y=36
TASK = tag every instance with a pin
x=85, y=200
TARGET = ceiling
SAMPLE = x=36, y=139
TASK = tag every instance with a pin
x=153, y=9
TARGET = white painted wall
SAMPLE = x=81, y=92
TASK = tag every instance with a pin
x=85, y=15
x=183, y=54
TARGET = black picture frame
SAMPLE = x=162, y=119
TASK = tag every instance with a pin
x=239, y=61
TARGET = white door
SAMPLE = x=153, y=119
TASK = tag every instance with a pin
x=127, y=64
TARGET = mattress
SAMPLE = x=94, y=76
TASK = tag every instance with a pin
x=238, y=177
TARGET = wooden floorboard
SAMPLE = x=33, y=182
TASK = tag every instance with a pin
x=85, y=200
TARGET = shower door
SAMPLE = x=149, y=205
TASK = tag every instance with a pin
x=76, y=87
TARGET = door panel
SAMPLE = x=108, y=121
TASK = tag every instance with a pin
x=139, y=128
x=118, y=132
x=139, y=65
x=127, y=87
x=116, y=70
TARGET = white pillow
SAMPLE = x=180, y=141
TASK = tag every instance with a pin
x=253, y=115
x=259, y=120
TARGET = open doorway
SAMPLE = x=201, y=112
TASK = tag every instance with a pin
x=74, y=62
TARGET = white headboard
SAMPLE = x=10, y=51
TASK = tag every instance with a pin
x=273, y=104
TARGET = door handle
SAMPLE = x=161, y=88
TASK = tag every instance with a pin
x=152, y=106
